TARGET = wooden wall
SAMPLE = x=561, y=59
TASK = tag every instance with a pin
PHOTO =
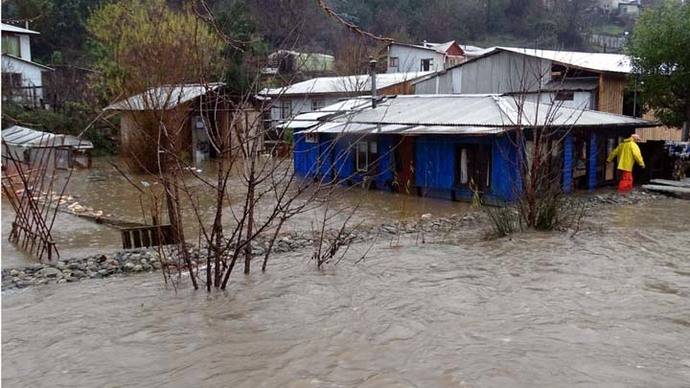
x=611, y=90
x=661, y=132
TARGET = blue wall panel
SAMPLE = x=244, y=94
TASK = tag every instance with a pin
x=435, y=162
x=592, y=162
x=568, y=154
x=506, y=176
x=305, y=156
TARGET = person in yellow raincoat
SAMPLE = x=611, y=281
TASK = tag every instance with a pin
x=628, y=153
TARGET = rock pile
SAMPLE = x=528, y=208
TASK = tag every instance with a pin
x=92, y=267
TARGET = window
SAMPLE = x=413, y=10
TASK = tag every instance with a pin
x=11, y=80
x=393, y=62
x=474, y=166
x=10, y=45
x=366, y=153
x=564, y=95
x=317, y=104
x=427, y=64
x=285, y=109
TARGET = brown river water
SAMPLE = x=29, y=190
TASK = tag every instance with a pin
x=607, y=307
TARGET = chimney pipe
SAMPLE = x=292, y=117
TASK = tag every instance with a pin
x=372, y=75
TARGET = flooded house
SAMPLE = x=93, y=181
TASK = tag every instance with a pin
x=453, y=146
x=195, y=113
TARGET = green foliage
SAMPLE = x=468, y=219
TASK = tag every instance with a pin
x=136, y=44
x=236, y=21
x=72, y=120
x=660, y=48
x=60, y=22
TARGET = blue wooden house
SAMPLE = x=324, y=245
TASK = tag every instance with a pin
x=453, y=146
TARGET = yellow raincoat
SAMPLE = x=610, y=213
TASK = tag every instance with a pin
x=628, y=152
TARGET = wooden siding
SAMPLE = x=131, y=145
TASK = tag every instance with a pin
x=611, y=90
x=661, y=132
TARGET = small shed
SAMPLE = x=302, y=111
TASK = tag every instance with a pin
x=32, y=147
x=198, y=115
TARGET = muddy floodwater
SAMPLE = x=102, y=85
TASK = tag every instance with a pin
x=608, y=307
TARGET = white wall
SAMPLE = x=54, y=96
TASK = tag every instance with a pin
x=581, y=100
x=300, y=104
x=409, y=59
x=25, y=46
x=31, y=74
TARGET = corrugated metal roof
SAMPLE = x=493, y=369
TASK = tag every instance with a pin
x=484, y=111
x=310, y=119
x=346, y=84
x=616, y=63
x=18, y=30
x=466, y=114
x=164, y=97
x=26, y=137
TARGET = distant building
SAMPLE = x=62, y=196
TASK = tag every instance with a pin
x=22, y=78
x=293, y=63
x=403, y=57
x=629, y=8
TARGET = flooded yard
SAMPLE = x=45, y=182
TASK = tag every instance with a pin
x=607, y=307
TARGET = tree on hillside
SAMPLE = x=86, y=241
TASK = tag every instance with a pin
x=137, y=44
x=660, y=51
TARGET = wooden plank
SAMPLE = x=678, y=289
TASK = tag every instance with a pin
x=136, y=235
x=126, y=241
x=681, y=192
x=668, y=182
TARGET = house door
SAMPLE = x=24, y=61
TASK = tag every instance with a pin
x=404, y=166
x=474, y=166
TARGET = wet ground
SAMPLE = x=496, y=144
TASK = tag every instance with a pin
x=608, y=307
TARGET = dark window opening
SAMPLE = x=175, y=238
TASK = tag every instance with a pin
x=426, y=64
x=473, y=166
x=565, y=95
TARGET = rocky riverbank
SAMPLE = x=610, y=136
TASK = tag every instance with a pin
x=135, y=261
x=147, y=260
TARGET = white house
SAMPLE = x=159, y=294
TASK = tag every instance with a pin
x=22, y=78
x=403, y=57
x=316, y=93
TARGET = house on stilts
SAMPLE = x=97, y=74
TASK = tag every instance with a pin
x=453, y=146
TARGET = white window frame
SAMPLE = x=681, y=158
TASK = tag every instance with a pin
x=367, y=148
x=317, y=103
x=285, y=109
